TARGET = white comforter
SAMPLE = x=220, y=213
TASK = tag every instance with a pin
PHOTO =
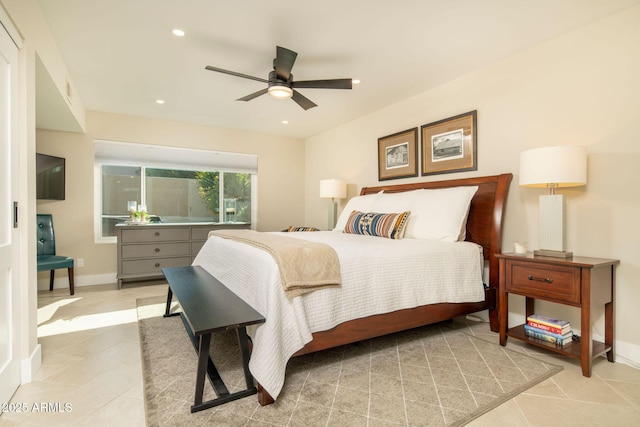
x=378, y=275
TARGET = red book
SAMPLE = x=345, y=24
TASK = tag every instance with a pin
x=562, y=325
x=547, y=328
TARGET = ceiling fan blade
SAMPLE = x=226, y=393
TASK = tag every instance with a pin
x=323, y=84
x=253, y=95
x=233, y=73
x=302, y=101
x=285, y=59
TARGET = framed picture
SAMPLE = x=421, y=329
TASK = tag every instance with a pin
x=398, y=155
x=450, y=145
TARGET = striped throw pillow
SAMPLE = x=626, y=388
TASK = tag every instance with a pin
x=389, y=225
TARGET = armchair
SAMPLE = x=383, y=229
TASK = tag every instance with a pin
x=47, y=258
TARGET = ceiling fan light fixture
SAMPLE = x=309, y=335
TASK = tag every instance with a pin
x=280, y=91
x=280, y=83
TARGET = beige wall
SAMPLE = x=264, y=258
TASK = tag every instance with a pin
x=280, y=179
x=580, y=89
x=53, y=76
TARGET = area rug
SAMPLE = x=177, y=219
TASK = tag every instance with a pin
x=438, y=375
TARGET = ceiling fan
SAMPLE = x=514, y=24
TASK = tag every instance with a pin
x=281, y=84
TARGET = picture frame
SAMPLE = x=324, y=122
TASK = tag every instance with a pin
x=398, y=155
x=450, y=145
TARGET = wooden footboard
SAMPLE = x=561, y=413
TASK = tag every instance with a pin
x=484, y=227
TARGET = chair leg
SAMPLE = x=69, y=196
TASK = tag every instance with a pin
x=51, y=276
x=71, y=290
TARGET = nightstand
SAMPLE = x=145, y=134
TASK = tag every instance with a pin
x=582, y=282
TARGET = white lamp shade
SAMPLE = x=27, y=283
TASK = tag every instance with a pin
x=560, y=165
x=333, y=189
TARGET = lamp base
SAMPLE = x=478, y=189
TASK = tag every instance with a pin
x=334, y=217
x=552, y=253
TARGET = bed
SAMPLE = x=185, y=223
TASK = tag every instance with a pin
x=328, y=317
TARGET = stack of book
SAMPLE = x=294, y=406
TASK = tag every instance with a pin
x=548, y=329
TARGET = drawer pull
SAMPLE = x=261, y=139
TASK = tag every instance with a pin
x=540, y=279
x=156, y=250
x=157, y=233
x=157, y=264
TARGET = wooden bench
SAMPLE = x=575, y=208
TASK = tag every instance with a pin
x=207, y=307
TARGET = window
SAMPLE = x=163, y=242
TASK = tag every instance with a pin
x=171, y=194
x=119, y=185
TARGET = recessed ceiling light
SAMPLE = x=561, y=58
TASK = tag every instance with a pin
x=355, y=81
x=178, y=32
x=159, y=101
x=285, y=122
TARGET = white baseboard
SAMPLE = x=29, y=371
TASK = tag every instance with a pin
x=30, y=365
x=627, y=353
x=85, y=280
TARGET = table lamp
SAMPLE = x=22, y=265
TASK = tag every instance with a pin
x=333, y=189
x=553, y=167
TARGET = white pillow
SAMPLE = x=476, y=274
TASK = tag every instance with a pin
x=358, y=203
x=440, y=214
x=394, y=202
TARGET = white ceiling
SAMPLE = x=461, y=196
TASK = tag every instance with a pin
x=121, y=54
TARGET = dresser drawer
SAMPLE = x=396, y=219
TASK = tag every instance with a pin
x=155, y=234
x=155, y=250
x=196, y=246
x=153, y=266
x=557, y=283
x=200, y=233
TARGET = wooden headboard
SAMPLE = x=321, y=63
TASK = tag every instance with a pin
x=484, y=223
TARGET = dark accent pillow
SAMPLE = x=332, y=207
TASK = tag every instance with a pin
x=293, y=228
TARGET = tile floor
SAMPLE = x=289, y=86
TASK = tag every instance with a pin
x=91, y=363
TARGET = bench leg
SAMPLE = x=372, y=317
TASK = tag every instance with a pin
x=243, y=340
x=203, y=362
x=167, y=311
x=206, y=368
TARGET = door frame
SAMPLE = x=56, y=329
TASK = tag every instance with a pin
x=10, y=364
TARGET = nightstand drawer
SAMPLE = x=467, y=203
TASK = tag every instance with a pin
x=554, y=283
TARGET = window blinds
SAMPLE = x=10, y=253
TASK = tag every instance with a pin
x=133, y=154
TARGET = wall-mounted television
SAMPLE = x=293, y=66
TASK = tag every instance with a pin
x=50, y=180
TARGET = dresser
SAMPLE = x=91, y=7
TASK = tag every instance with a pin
x=143, y=250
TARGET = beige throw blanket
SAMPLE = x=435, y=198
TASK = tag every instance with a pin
x=304, y=266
